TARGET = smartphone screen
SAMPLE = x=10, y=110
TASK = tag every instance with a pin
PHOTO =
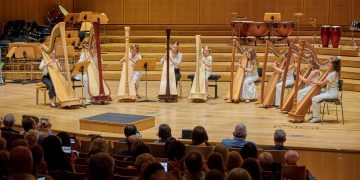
x=66, y=149
x=41, y=178
x=138, y=135
x=72, y=141
x=164, y=165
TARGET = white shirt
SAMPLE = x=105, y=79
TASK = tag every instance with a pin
x=333, y=80
x=207, y=61
x=44, y=68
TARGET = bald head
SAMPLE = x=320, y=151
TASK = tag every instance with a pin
x=21, y=160
x=291, y=157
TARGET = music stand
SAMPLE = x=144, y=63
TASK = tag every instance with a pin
x=81, y=67
x=72, y=18
x=272, y=18
x=145, y=64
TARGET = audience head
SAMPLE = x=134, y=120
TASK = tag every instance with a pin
x=32, y=137
x=164, y=132
x=28, y=123
x=2, y=144
x=98, y=145
x=130, y=130
x=215, y=161
x=161, y=175
x=38, y=158
x=214, y=174
x=279, y=136
x=199, y=135
x=175, y=150
x=4, y=163
x=249, y=151
x=101, y=166
x=234, y=161
x=65, y=138
x=252, y=166
x=266, y=160
x=237, y=174
x=194, y=162
x=139, y=147
x=151, y=169
x=21, y=160
x=9, y=121
x=240, y=131
x=19, y=142
x=53, y=153
x=223, y=150
x=142, y=161
x=291, y=157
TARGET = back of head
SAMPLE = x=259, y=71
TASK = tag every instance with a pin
x=27, y=123
x=175, y=150
x=194, y=161
x=161, y=175
x=32, y=136
x=240, y=131
x=65, y=138
x=9, y=121
x=19, y=142
x=214, y=174
x=143, y=160
x=234, y=161
x=280, y=136
x=130, y=130
x=199, y=135
x=101, y=166
x=98, y=145
x=151, y=169
x=266, y=160
x=20, y=160
x=291, y=157
x=215, y=161
x=253, y=167
x=2, y=144
x=249, y=151
x=139, y=147
x=53, y=153
x=37, y=154
x=164, y=132
x=237, y=174
x=223, y=150
x=4, y=163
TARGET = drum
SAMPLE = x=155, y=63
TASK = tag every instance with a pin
x=325, y=35
x=241, y=28
x=57, y=14
x=284, y=29
x=335, y=34
x=355, y=26
x=259, y=29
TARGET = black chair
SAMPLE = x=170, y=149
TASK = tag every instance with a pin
x=336, y=101
x=213, y=77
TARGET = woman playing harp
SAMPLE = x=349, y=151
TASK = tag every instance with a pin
x=251, y=75
x=309, y=81
x=289, y=81
x=332, y=89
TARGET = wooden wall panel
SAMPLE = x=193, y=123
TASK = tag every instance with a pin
x=358, y=167
x=161, y=11
x=113, y=9
x=136, y=12
x=355, y=10
x=86, y=5
x=314, y=162
x=313, y=10
x=212, y=12
x=286, y=8
x=340, y=166
x=186, y=11
x=255, y=9
x=340, y=12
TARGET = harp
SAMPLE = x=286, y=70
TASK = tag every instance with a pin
x=198, y=89
x=126, y=90
x=236, y=81
x=166, y=94
x=99, y=92
x=267, y=99
x=62, y=84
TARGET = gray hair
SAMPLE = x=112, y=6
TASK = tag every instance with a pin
x=9, y=120
x=240, y=130
x=280, y=135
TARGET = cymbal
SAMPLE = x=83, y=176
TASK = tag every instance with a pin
x=298, y=14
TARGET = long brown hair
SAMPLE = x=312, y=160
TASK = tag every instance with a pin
x=336, y=62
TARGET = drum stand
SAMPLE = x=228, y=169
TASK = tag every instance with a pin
x=353, y=40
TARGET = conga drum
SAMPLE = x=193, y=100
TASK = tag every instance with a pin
x=335, y=34
x=259, y=29
x=57, y=14
x=284, y=29
x=325, y=35
x=241, y=28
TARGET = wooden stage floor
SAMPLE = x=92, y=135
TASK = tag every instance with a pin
x=216, y=116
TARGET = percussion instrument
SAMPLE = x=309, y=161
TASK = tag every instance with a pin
x=335, y=34
x=57, y=14
x=241, y=28
x=355, y=26
x=325, y=35
x=284, y=29
x=259, y=29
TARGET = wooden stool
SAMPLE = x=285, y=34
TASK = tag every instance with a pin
x=40, y=87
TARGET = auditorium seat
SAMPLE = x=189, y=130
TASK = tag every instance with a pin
x=119, y=147
x=205, y=151
x=81, y=168
x=157, y=150
x=123, y=171
x=278, y=155
x=123, y=164
x=10, y=137
x=294, y=172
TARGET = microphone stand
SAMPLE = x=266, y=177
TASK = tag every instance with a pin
x=146, y=85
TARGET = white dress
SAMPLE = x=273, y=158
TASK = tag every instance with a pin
x=288, y=82
x=172, y=79
x=136, y=74
x=208, y=69
x=249, y=87
x=332, y=91
x=302, y=92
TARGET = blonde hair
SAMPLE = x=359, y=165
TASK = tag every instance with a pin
x=136, y=47
x=98, y=145
x=32, y=136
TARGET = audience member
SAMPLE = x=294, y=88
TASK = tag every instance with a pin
x=215, y=161
x=139, y=147
x=21, y=163
x=175, y=150
x=237, y=174
x=234, y=161
x=249, y=151
x=267, y=164
x=4, y=164
x=150, y=170
x=279, y=140
x=199, y=136
x=39, y=164
x=54, y=155
x=98, y=145
x=32, y=137
x=19, y=142
x=101, y=167
x=193, y=165
x=253, y=167
x=143, y=160
x=239, y=139
x=223, y=150
x=2, y=144
x=9, y=123
x=28, y=122
x=130, y=132
x=164, y=133
x=65, y=138
x=161, y=175
x=291, y=158
x=214, y=174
